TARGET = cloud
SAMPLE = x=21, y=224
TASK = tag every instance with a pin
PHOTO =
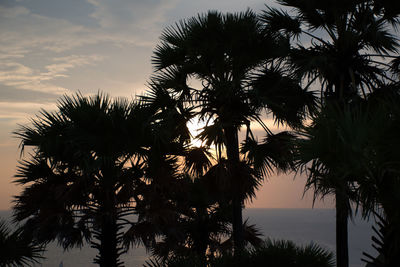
x=63, y=64
x=17, y=112
x=23, y=77
x=28, y=42
x=26, y=31
x=23, y=31
x=13, y=114
x=136, y=14
x=35, y=49
x=12, y=12
x=12, y=52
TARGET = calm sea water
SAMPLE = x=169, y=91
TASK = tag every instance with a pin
x=302, y=226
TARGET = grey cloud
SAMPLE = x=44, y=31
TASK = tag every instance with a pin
x=23, y=31
x=11, y=94
x=123, y=14
x=23, y=77
x=12, y=12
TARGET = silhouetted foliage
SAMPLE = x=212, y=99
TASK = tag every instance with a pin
x=81, y=178
x=386, y=243
x=344, y=42
x=280, y=253
x=231, y=56
x=17, y=248
x=270, y=253
x=359, y=144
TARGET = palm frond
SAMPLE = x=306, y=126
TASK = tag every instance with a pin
x=18, y=249
x=280, y=21
x=275, y=153
x=283, y=97
x=197, y=161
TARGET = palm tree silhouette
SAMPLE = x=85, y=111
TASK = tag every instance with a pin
x=195, y=217
x=347, y=39
x=80, y=181
x=208, y=63
x=362, y=146
x=17, y=249
x=379, y=184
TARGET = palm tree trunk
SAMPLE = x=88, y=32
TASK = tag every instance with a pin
x=237, y=224
x=202, y=234
x=232, y=152
x=108, y=244
x=342, y=250
x=107, y=233
x=341, y=198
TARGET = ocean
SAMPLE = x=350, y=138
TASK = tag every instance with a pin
x=302, y=226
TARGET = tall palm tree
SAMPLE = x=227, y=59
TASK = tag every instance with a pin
x=80, y=181
x=346, y=43
x=377, y=172
x=208, y=62
x=183, y=211
x=360, y=148
x=379, y=180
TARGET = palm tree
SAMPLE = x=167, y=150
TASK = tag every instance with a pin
x=385, y=194
x=361, y=148
x=221, y=54
x=347, y=40
x=199, y=224
x=194, y=218
x=80, y=181
x=376, y=172
x=16, y=248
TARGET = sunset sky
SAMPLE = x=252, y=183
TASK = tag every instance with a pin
x=53, y=47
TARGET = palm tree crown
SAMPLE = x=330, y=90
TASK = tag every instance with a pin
x=347, y=40
x=80, y=181
x=220, y=65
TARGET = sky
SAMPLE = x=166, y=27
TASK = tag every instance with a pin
x=49, y=48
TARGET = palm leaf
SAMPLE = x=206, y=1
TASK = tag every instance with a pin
x=17, y=248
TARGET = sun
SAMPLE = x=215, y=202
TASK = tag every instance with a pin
x=195, y=126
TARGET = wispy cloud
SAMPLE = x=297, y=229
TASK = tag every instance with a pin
x=63, y=64
x=20, y=112
x=35, y=50
x=125, y=22
x=12, y=12
x=133, y=15
x=24, y=77
x=13, y=114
